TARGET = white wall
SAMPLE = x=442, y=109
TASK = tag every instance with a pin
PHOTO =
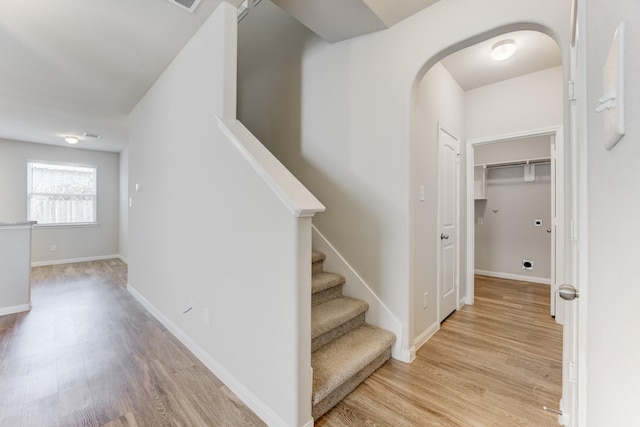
x=613, y=233
x=123, y=230
x=73, y=243
x=535, y=147
x=206, y=231
x=439, y=99
x=352, y=147
x=270, y=46
x=533, y=101
x=507, y=235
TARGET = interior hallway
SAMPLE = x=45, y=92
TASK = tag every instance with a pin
x=495, y=363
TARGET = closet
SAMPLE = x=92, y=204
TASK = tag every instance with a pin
x=512, y=191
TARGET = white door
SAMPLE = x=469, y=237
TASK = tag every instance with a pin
x=572, y=327
x=448, y=222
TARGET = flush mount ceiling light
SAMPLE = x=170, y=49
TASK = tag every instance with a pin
x=71, y=140
x=503, y=50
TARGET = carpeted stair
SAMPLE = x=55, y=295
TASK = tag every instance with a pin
x=345, y=349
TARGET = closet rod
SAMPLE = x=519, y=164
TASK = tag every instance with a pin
x=518, y=163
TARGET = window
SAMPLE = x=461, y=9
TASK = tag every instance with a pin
x=61, y=194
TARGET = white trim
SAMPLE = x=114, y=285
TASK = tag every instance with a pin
x=409, y=355
x=250, y=399
x=461, y=302
x=470, y=205
x=425, y=336
x=123, y=259
x=73, y=260
x=378, y=313
x=295, y=196
x=309, y=423
x=42, y=226
x=541, y=280
x=15, y=309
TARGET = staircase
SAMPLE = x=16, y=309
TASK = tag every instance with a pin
x=345, y=349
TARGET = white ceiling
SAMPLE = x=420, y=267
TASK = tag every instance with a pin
x=75, y=66
x=337, y=20
x=473, y=67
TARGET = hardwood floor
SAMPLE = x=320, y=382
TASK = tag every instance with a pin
x=89, y=354
x=495, y=363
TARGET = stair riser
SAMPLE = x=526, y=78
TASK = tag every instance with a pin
x=320, y=408
x=337, y=332
x=326, y=295
x=317, y=267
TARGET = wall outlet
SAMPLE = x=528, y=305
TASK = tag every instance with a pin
x=425, y=300
x=527, y=264
x=53, y=248
x=480, y=221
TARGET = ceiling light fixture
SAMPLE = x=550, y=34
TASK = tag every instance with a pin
x=71, y=140
x=503, y=50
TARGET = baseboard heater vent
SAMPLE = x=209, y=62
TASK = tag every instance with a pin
x=189, y=5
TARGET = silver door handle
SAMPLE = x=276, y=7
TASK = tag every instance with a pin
x=568, y=292
x=444, y=236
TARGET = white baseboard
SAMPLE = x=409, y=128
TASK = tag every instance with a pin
x=256, y=405
x=408, y=355
x=15, y=309
x=425, y=336
x=541, y=280
x=72, y=260
x=461, y=302
x=123, y=259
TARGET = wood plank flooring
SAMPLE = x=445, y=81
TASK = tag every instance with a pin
x=88, y=354
x=495, y=363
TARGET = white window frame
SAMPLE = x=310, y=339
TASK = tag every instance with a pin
x=30, y=194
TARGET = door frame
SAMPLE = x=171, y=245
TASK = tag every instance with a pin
x=561, y=196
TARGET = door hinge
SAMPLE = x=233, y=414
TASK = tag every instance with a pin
x=571, y=89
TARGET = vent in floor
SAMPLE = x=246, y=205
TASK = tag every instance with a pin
x=189, y=5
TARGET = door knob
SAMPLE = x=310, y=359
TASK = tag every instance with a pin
x=444, y=236
x=568, y=292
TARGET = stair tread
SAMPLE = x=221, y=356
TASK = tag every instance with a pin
x=338, y=361
x=333, y=313
x=317, y=256
x=324, y=280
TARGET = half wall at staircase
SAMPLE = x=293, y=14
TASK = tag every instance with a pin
x=219, y=246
